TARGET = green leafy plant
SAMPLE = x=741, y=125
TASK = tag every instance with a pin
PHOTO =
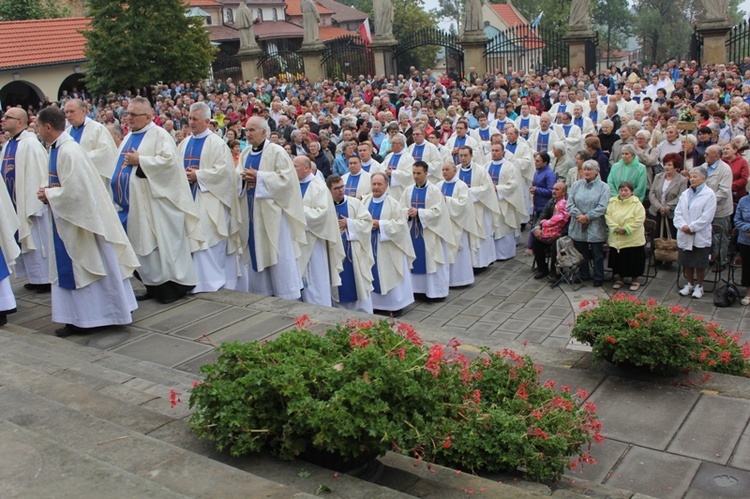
x=366, y=388
x=625, y=329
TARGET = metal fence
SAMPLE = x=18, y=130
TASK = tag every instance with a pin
x=696, y=47
x=348, y=55
x=282, y=60
x=526, y=48
x=226, y=64
x=435, y=40
x=738, y=42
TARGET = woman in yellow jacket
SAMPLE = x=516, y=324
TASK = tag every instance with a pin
x=627, y=239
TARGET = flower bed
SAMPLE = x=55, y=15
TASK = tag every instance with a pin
x=625, y=329
x=364, y=389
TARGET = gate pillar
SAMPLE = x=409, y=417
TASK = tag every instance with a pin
x=577, y=41
x=714, y=35
x=312, y=55
x=474, y=44
x=382, y=50
x=249, y=59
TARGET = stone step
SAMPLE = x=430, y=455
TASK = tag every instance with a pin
x=178, y=470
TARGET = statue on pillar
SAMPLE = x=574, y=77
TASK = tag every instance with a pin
x=474, y=19
x=579, y=15
x=716, y=10
x=383, y=13
x=310, y=21
x=244, y=21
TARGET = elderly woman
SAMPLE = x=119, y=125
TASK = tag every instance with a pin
x=626, y=137
x=647, y=154
x=742, y=222
x=739, y=168
x=628, y=169
x=627, y=239
x=587, y=205
x=689, y=154
x=576, y=174
x=692, y=217
x=563, y=162
x=607, y=137
x=341, y=164
x=665, y=192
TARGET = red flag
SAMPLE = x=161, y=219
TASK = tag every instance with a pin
x=364, y=31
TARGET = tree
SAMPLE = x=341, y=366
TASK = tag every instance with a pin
x=452, y=10
x=556, y=13
x=615, y=16
x=140, y=42
x=20, y=10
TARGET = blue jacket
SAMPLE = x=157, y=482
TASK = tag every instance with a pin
x=544, y=181
x=742, y=220
x=341, y=165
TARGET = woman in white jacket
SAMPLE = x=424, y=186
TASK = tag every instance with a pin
x=692, y=218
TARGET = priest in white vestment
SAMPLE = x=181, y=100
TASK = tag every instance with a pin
x=509, y=185
x=523, y=159
x=483, y=134
x=431, y=235
x=357, y=181
x=213, y=180
x=355, y=226
x=462, y=138
x=155, y=207
x=486, y=209
x=272, y=206
x=526, y=122
x=364, y=150
x=541, y=139
x=24, y=170
x=9, y=251
x=463, y=221
x=398, y=165
x=583, y=122
x=423, y=150
x=94, y=137
x=322, y=256
x=91, y=258
x=571, y=134
x=391, y=248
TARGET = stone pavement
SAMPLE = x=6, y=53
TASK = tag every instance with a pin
x=665, y=438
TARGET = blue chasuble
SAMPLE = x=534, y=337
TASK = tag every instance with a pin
x=418, y=200
x=375, y=210
x=511, y=147
x=4, y=271
x=566, y=129
x=348, y=288
x=352, y=183
x=77, y=133
x=121, y=178
x=448, y=188
x=578, y=122
x=460, y=142
x=65, y=278
x=9, y=169
x=525, y=123
x=500, y=127
x=485, y=134
x=303, y=188
x=594, y=115
x=494, y=171
x=193, y=158
x=417, y=152
x=367, y=167
x=465, y=175
x=253, y=161
x=542, y=142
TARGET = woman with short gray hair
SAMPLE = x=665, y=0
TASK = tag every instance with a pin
x=628, y=169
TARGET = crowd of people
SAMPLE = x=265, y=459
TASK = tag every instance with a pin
x=368, y=193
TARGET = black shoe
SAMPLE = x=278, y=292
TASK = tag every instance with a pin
x=3, y=319
x=69, y=330
x=540, y=274
x=553, y=277
x=39, y=288
x=597, y=284
x=143, y=296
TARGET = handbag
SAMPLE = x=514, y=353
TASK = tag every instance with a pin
x=665, y=248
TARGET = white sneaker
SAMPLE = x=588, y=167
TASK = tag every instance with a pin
x=687, y=289
x=698, y=291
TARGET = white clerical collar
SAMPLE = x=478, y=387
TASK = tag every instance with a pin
x=86, y=121
x=380, y=199
x=144, y=129
x=367, y=163
x=467, y=168
x=493, y=162
x=255, y=153
x=205, y=133
x=355, y=174
x=453, y=180
x=486, y=128
x=543, y=132
x=307, y=179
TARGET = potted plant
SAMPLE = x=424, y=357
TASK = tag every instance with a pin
x=365, y=388
x=627, y=331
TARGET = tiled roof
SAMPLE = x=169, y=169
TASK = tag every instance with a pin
x=222, y=32
x=293, y=8
x=508, y=14
x=41, y=41
x=331, y=32
x=269, y=30
x=343, y=13
x=203, y=3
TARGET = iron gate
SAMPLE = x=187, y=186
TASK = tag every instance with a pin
x=696, y=47
x=526, y=48
x=738, y=42
x=282, y=61
x=226, y=64
x=348, y=55
x=430, y=37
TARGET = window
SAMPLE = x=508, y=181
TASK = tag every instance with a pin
x=260, y=14
x=275, y=15
x=229, y=15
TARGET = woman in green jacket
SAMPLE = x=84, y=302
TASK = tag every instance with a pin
x=627, y=239
x=628, y=169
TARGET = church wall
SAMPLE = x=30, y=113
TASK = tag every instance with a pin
x=47, y=78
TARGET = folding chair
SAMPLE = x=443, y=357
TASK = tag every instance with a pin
x=568, y=263
x=649, y=228
x=735, y=259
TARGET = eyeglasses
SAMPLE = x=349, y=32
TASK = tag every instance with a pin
x=11, y=118
x=135, y=115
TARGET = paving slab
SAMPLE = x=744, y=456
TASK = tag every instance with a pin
x=162, y=349
x=182, y=316
x=214, y=323
x=712, y=442
x=607, y=455
x=653, y=473
x=641, y=413
x=716, y=481
x=741, y=457
x=257, y=327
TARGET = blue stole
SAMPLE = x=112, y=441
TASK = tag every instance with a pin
x=375, y=210
x=566, y=129
x=393, y=163
x=253, y=161
x=485, y=134
x=500, y=127
x=562, y=108
x=65, y=278
x=350, y=189
x=542, y=142
x=303, y=188
x=636, y=98
x=494, y=171
x=460, y=142
x=525, y=122
x=578, y=122
x=418, y=200
x=193, y=158
x=448, y=188
x=77, y=133
x=465, y=175
x=417, y=152
x=9, y=169
x=367, y=167
x=4, y=271
x=604, y=99
x=121, y=179
x=594, y=115
x=511, y=147
x=348, y=288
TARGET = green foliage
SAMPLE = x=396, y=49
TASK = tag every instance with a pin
x=364, y=389
x=625, y=329
x=615, y=20
x=452, y=10
x=556, y=13
x=140, y=42
x=20, y=10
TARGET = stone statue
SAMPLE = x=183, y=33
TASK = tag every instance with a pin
x=383, y=13
x=474, y=20
x=243, y=21
x=716, y=10
x=310, y=20
x=579, y=15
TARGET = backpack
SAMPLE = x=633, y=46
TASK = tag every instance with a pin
x=567, y=254
x=726, y=295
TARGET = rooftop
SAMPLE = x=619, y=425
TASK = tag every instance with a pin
x=293, y=8
x=41, y=41
x=343, y=13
